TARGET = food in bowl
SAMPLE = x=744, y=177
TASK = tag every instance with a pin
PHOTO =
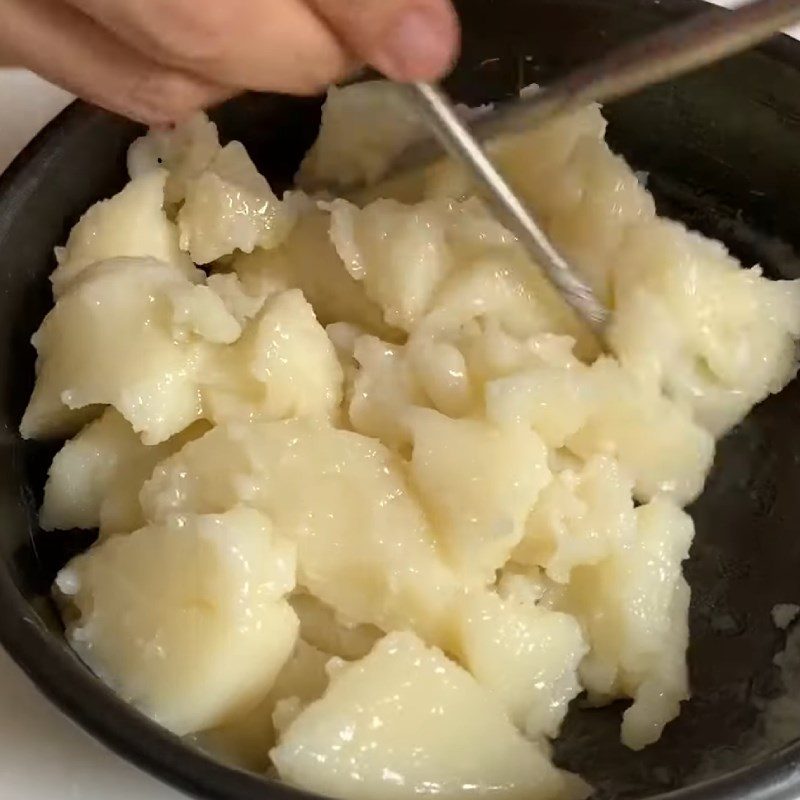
x=373, y=508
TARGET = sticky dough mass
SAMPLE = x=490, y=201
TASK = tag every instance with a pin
x=373, y=508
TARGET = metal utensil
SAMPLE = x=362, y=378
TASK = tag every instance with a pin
x=670, y=52
x=454, y=135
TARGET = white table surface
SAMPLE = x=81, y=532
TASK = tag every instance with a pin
x=44, y=756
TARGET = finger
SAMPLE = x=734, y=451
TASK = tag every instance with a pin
x=70, y=50
x=407, y=40
x=268, y=45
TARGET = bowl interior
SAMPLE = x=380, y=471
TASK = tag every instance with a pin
x=722, y=152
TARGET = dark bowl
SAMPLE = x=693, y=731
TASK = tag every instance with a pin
x=722, y=149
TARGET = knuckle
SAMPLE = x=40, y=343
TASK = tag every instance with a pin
x=194, y=33
x=160, y=98
x=314, y=76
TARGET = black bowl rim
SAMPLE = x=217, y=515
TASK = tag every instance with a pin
x=84, y=699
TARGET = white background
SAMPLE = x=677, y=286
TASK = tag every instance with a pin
x=43, y=756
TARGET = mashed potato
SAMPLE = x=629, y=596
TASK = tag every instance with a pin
x=373, y=508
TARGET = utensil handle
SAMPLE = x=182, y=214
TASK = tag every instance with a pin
x=669, y=52
x=680, y=48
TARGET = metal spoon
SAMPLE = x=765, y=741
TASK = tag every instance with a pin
x=673, y=51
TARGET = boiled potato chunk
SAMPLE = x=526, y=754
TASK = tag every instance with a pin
x=539, y=162
x=185, y=152
x=131, y=224
x=525, y=585
x=526, y=654
x=230, y=206
x=284, y=365
x=363, y=128
x=385, y=386
x=245, y=739
x=404, y=722
x=444, y=259
x=133, y=334
x=365, y=547
x=492, y=353
x=716, y=337
x=443, y=373
x=186, y=619
x=546, y=387
x=634, y=607
x=555, y=401
x=401, y=253
x=511, y=293
x=582, y=516
x=389, y=379
x=478, y=483
x=95, y=479
x=610, y=200
x=437, y=265
x=137, y=336
x=654, y=440
x=328, y=631
x=307, y=260
x=242, y=305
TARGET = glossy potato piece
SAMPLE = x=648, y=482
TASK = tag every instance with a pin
x=389, y=379
x=527, y=655
x=491, y=352
x=132, y=224
x=308, y=261
x=245, y=739
x=478, y=484
x=230, y=206
x=365, y=547
x=185, y=151
x=284, y=365
x=555, y=401
x=503, y=287
x=439, y=264
x=185, y=619
x=716, y=337
x=533, y=161
x=540, y=163
x=241, y=304
x=591, y=233
x=634, y=607
x=328, y=632
x=655, y=441
x=582, y=516
x=133, y=334
x=442, y=372
x=363, y=128
x=95, y=478
x=385, y=386
x=405, y=722
x=400, y=253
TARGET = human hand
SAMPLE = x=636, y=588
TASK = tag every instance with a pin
x=157, y=61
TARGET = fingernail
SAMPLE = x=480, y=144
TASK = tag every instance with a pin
x=419, y=46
